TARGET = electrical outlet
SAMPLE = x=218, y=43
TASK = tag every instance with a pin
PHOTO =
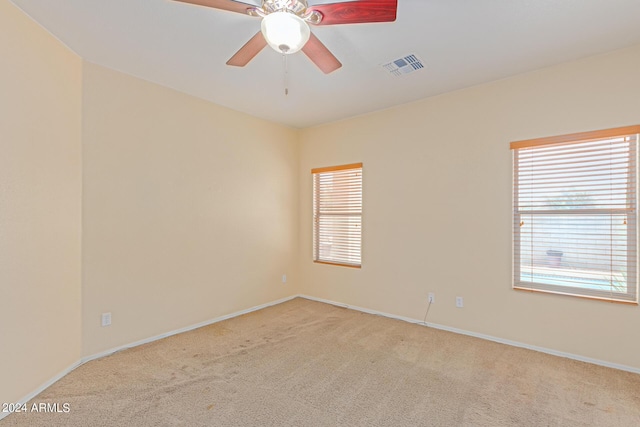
x=106, y=319
x=459, y=302
x=432, y=298
x=284, y=278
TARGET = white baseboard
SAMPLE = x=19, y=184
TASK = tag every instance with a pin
x=482, y=336
x=352, y=307
x=140, y=342
x=185, y=329
x=44, y=386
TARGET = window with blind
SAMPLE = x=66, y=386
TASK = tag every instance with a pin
x=574, y=214
x=337, y=215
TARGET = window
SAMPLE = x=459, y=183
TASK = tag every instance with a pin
x=337, y=215
x=575, y=214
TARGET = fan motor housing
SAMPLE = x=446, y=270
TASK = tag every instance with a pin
x=296, y=7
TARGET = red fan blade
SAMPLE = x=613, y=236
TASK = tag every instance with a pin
x=357, y=12
x=248, y=51
x=320, y=55
x=233, y=6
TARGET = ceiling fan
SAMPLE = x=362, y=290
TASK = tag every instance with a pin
x=285, y=25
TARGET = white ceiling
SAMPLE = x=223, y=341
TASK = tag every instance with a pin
x=462, y=42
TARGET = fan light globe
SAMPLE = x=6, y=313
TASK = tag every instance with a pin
x=285, y=32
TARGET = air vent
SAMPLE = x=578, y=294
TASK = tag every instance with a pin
x=405, y=65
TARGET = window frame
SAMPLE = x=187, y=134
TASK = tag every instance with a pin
x=348, y=212
x=631, y=236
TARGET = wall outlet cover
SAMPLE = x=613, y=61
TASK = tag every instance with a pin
x=106, y=319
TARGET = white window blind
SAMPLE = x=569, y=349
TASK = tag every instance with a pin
x=575, y=214
x=337, y=215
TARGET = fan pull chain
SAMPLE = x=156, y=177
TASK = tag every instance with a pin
x=286, y=74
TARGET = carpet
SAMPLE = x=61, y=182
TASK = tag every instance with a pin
x=305, y=363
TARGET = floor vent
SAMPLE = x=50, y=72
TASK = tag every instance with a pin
x=405, y=65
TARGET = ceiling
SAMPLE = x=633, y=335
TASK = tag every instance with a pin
x=461, y=42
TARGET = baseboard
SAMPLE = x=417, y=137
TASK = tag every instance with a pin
x=42, y=387
x=84, y=360
x=185, y=329
x=481, y=336
x=338, y=304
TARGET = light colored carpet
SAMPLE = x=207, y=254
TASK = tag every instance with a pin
x=304, y=363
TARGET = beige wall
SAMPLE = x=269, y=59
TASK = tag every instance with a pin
x=40, y=189
x=437, y=206
x=190, y=210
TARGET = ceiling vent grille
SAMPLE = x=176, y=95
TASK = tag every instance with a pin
x=405, y=65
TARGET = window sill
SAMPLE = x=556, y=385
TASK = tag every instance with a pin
x=338, y=264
